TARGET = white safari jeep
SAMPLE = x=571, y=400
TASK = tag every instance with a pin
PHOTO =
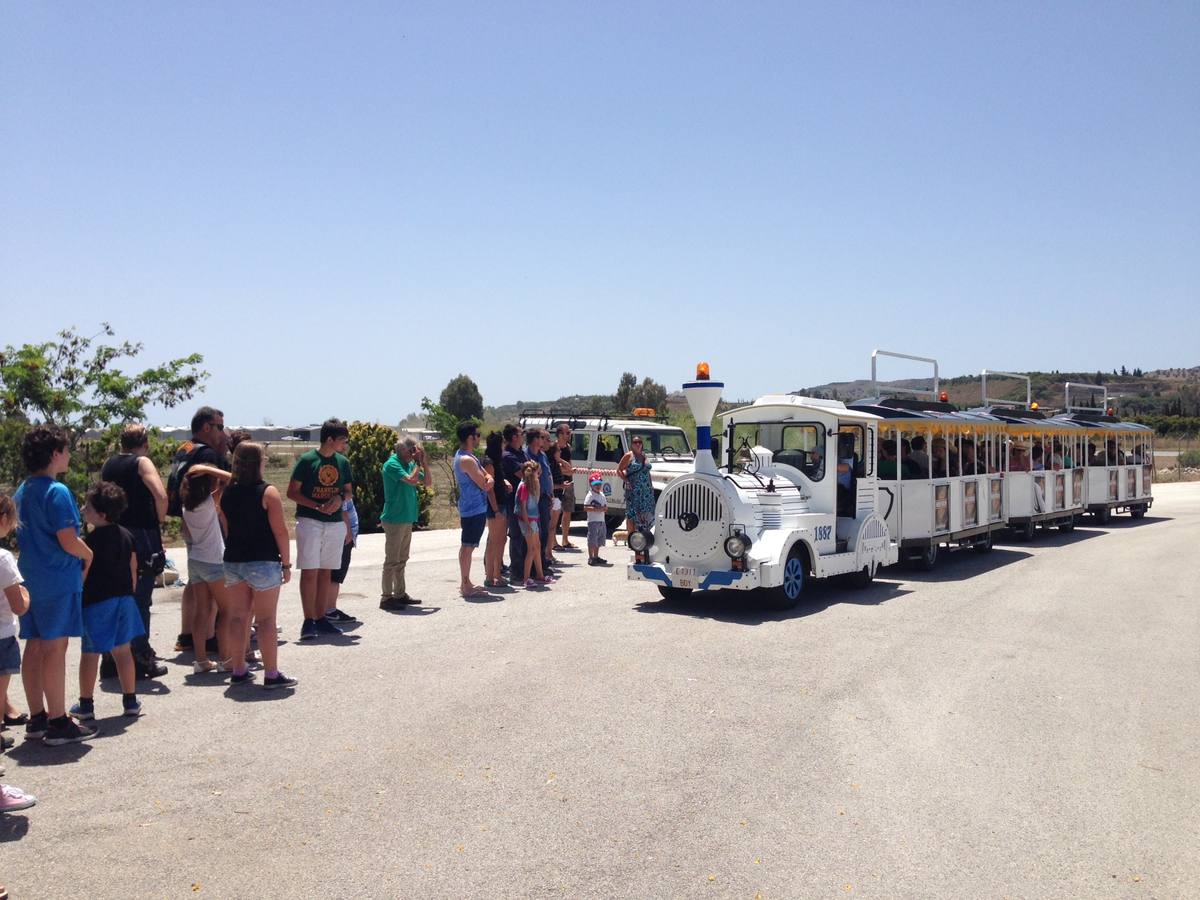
x=599, y=442
x=797, y=497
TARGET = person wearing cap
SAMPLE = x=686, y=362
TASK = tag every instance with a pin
x=596, y=505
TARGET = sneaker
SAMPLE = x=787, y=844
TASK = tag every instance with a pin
x=67, y=731
x=37, y=725
x=549, y=579
x=83, y=711
x=133, y=710
x=324, y=626
x=150, y=668
x=244, y=678
x=184, y=642
x=336, y=616
x=593, y=561
x=13, y=799
x=279, y=681
x=14, y=721
x=530, y=584
x=308, y=631
x=391, y=604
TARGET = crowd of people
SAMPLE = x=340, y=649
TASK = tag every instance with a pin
x=96, y=583
x=519, y=493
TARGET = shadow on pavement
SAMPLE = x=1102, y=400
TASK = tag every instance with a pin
x=331, y=640
x=13, y=827
x=750, y=608
x=151, y=688
x=413, y=611
x=35, y=753
x=956, y=565
x=256, y=693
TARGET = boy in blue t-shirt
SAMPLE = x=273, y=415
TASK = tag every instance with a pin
x=52, y=562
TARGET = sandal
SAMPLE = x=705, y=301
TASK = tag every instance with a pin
x=13, y=721
x=476, y=592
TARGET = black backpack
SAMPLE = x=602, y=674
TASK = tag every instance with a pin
x=184, y=457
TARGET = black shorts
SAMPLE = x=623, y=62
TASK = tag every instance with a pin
x=472, y=529
x=338, y=576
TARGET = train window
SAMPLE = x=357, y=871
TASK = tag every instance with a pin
x=801, y=447
x=851, y=441
x=581, y=444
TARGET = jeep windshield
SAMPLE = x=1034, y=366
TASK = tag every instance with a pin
x=664, y=442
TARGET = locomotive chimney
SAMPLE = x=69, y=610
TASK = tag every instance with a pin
x=702, y=397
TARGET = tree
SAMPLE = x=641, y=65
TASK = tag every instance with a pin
x=1124, y=371
x=461, y=398
x=439, y=419
x=370, y=447
x=624, y=394
x=650, y=394
x=75, y=382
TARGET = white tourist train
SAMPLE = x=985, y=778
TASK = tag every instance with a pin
x=813, y=488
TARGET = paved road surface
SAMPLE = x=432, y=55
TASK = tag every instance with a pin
x=1021, y=724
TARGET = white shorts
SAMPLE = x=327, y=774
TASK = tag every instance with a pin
x=319, y=544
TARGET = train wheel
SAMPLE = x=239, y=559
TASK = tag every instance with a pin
x=1067, y=525
x=1104, y=514
x=928, y=558
x=984, y=545
x=788, y=594
x=674, y=594
x=1137, y=511
x=1027, y=531
x=864, y=578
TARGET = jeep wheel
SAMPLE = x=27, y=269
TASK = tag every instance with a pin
x=1137, y=511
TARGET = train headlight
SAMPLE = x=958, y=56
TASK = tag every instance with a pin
x=737, y=546
x=640, y=541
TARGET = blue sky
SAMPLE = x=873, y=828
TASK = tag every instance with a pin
x=345, y=205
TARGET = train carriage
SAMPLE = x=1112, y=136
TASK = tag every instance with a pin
x=1118, y=457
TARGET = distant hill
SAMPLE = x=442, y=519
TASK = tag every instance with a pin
x=1154, y=393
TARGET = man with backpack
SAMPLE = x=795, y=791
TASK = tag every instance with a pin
x=207, y=446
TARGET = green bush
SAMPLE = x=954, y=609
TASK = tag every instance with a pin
x=425, y=503
x=370, y=447
x=1189, y=459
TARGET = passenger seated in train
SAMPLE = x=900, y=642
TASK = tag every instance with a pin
x=1095, y=458
x=887, y=460
x=1057, y=460
x=1018, y=459
x=919, y=457
x=847, y=469
x=1115, y=456
x=1139, y=457
x=1037, y=463
x=971, y=465
x=941, y=465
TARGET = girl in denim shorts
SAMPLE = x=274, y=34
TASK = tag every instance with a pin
x=257, y=560
x=201, y=490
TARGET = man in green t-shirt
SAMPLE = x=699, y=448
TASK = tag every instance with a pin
x=321, y=483
x=404, y=470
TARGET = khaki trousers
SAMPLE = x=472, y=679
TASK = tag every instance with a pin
x=397, y=542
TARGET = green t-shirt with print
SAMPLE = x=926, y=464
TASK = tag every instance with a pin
x=321, y=478
x=400, y=504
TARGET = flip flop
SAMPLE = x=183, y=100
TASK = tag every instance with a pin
x=477, y=592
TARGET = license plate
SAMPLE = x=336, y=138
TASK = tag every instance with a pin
x=685, y=577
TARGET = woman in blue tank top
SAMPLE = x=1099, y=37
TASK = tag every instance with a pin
x=473, y=486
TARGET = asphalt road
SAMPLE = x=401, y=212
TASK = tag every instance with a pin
x=1021, y=724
